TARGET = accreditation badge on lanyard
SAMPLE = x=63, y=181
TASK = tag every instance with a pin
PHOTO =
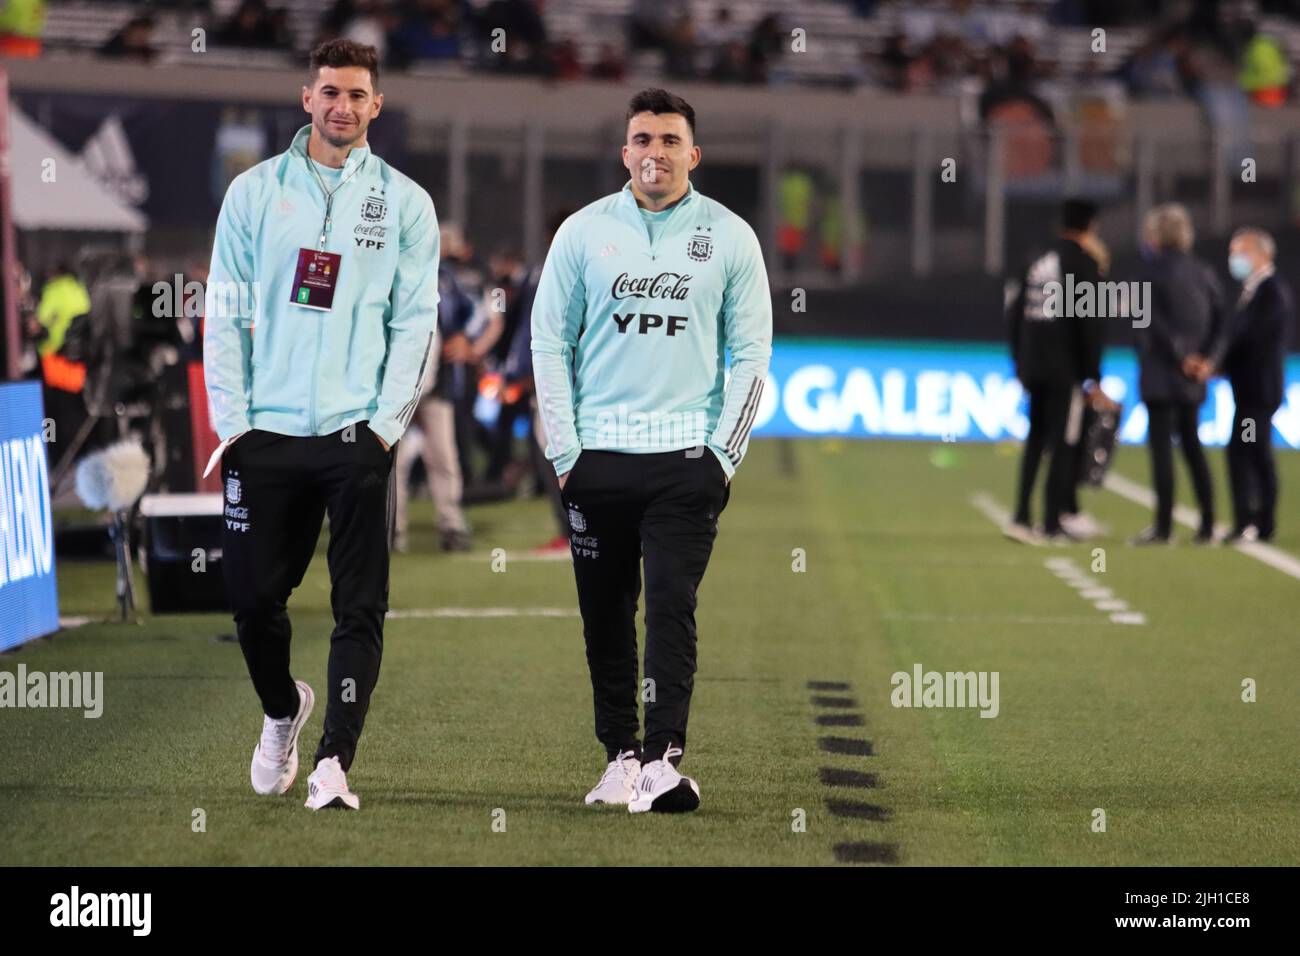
x=317, y=274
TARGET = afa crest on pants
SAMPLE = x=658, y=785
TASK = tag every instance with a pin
x=233, y=491
x=576, y=521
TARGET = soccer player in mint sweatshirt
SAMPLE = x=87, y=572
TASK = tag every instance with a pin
x=322, y=302
x=643, y=294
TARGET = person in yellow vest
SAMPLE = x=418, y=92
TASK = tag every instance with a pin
x=1265, y=73
x=63, y=299
x=21, y=24
x=795, y=191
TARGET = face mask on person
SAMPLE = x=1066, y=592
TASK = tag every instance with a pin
x=1240, y=267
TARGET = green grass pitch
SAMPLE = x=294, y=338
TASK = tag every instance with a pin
x=483, y=720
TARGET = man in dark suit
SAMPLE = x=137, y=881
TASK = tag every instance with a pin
x=1186, y=304
x=1058, y=361
x=1251, y=354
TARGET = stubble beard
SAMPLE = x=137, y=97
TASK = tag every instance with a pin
x=337, y=141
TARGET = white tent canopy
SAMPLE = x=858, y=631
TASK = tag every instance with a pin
x=74, y=200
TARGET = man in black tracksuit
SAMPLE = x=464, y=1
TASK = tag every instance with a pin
x=1054, y=355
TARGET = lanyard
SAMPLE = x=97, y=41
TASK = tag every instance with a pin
x=329, y=193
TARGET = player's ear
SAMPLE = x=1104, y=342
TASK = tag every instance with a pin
x=695, y=156
x=306, y=99
x=376, y=105
x=627, y=162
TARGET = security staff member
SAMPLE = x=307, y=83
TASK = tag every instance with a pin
x=321, y=312
x=1058, y=361
x=641, y=293
x=63, y=300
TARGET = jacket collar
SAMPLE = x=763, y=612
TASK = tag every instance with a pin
x=356, y=155
x=1254, y=280
x=629, y=199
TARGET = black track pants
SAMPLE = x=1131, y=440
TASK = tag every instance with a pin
x=278, y=489
x=660, y=508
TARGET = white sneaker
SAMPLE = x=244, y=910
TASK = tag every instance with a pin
x=275, y=758
x=662, y=789
x=1082, y=525
x=619, y=782
x=328, y=787
x=1022, y=533
x=1246, y=535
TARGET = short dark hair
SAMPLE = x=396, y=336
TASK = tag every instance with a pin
x=338, y=53
x=1078, y=214
x=658, y=101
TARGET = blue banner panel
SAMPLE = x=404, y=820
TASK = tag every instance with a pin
x=29, y=598
x=952, y=392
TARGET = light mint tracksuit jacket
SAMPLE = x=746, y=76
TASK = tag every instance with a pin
x=276, y=366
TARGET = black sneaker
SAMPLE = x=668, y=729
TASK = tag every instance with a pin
x=1149, y=536
x=455, y=541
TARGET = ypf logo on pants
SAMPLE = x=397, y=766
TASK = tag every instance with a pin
x=236, y=517
x=75, y=909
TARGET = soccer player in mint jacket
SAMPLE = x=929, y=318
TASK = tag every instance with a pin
x=321, y=309
x=642, y=295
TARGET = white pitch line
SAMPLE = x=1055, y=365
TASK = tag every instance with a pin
x=1076, y=579
x=1066, y=570
x=987, y=618
x=1096, y=594
x=987, y=506
x=1101, y=598
x=1259, y=550
x=481, y=612
x=1128, y=617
